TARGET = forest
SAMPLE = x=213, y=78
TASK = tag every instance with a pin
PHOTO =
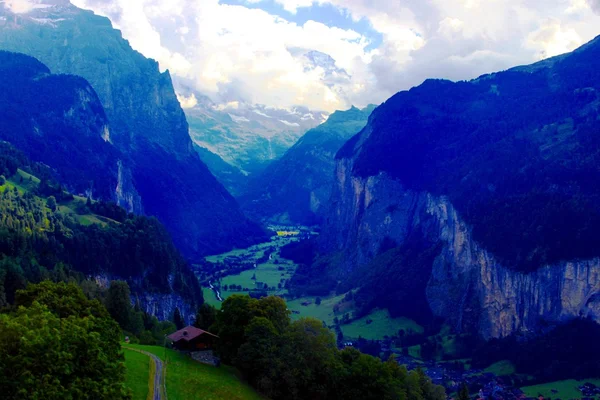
x=40, y=238
x=287, y=359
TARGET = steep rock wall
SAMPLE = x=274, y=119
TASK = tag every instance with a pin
x=467, y=286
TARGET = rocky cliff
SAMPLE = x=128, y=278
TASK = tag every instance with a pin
x=442, y=166
x=468, y=286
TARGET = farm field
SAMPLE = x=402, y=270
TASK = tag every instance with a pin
x=501, y=368
x=137, y=374
x=565, y=390
x=382, y=324
x=187, y=379
x=276, y=270
x=270, y=270
x=307, y=307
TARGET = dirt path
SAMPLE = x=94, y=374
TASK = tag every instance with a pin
x=160, y=392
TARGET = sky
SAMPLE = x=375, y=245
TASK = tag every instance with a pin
x=331, y=54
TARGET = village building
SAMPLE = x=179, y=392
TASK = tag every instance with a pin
x=192, y=339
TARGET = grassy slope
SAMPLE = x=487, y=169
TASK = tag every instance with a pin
x=189, y=380
x=566, y=389
x=30, y=182
x=138, y=366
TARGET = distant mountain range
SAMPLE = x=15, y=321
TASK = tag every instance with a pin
x=296, y=188
x=158, y=171
x=247, y=136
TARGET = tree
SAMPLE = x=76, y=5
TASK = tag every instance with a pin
x=205, y=317
x=77, y=338
x=178, y=319
x=318, y=301
x=2, y=180
x=463, y=393
x=51, y=203
x=118, y=303
x=231, y=323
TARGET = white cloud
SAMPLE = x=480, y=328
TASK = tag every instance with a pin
x=22, y=6
x=552, y=39
x=238, y=54
x=187, y=101
x=595, y=5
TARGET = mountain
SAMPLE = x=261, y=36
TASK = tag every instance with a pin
x=477, y=201
x=247, y=136
x=232, y=178
x=296, y=187
x=58, y=119
x=47, y=233
x=147, y=125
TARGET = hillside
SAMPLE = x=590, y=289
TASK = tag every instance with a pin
x=234, y=180
x=58, y=119
x=493, y=178
x=160, y=173
x=296, y=187
x=47, y=233
x=187, y=379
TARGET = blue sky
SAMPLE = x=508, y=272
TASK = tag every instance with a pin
x=331, y=54
x=324, y=13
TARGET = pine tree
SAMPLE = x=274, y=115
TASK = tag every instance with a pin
x=463, y=393
x=178, y=319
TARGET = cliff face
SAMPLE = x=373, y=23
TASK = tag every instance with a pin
x=468, y=286
x=160, y=173
x=507, y=191
x=59, y=120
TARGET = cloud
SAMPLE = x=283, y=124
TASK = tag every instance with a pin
x=235, y=53
x=553, y=39
x=22, y=6
x=187, y=101
x=594, y=5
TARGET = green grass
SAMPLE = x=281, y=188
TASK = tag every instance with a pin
x=190, y=380
x=137, y=375
x=266, y=273
x=415, y=351
x=210, y=298
x=70, y=208
x=567, y=390
x=254, y=252
x=501, y=368
x=383, y=325
x=323, y=312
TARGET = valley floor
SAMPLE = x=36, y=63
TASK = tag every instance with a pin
x=262, y=268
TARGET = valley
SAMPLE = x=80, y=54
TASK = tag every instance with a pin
x=318, y=201
x=261, y=270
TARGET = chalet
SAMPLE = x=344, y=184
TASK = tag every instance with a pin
x=191, y=339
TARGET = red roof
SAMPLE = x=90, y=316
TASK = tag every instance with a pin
x=188, y=333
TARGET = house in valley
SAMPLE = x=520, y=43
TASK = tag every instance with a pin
x=191, y=339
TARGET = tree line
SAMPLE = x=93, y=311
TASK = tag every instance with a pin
x=287, y=359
